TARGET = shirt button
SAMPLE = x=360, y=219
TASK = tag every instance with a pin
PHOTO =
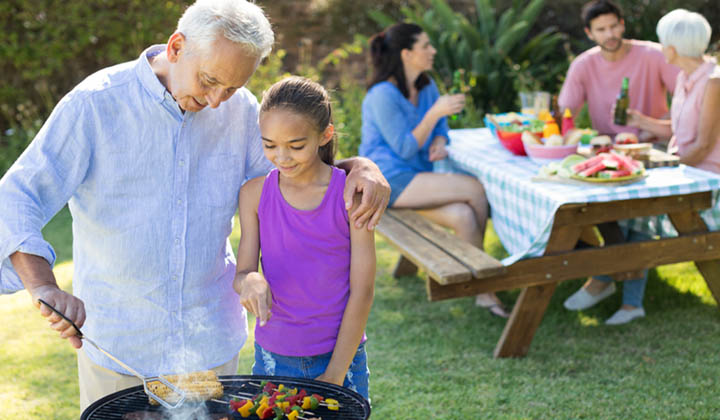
x=177, y=241
x=182, y=163
x=179, y=202
x=175, y=277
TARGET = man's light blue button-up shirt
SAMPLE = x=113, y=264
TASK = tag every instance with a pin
x=152, y=192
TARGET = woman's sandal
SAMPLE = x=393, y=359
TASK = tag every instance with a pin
x=495, y=309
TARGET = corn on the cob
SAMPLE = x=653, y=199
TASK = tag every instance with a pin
x=198, y=386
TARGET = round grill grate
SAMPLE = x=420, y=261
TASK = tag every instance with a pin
x=132, y=403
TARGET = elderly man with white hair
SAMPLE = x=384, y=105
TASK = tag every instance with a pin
x=695, y=110
x=150, y=155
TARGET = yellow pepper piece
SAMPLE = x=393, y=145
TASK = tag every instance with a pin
x=306, y=403
x=260, y=409
x=293, y=391
x=332, y=404
x=264, y=400
x=285, y=404
x=245, y=409
x=292, y=415
x=280, y=387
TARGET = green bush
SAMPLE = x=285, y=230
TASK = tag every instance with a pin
x=492, y=48
x=48, y=46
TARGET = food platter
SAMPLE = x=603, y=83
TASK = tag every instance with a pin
x=619, y=180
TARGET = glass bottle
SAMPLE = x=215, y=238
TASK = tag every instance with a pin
x=622, y=103
x=456, y=88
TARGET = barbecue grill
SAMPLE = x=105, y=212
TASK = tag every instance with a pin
x=132, y=403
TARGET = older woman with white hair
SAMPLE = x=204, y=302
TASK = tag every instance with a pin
x=695, y=110
x=694, y=127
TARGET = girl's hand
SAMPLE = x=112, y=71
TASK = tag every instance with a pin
x=449, y=104
x=437, y=150
x=255, y=295
x=326, y=377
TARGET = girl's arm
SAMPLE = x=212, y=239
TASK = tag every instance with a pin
x=362, y=290
x=709, y=126
x=252, y=287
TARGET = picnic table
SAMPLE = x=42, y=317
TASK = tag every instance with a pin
x=540, y=224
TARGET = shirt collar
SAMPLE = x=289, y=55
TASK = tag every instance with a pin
x=146, y=75
x=698, y=74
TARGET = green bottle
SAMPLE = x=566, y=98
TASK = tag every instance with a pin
x=456, y=88
x=622, y=103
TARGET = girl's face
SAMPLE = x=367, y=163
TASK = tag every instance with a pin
x=291, y=141
x=421, y=56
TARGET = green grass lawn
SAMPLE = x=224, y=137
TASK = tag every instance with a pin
x=434, y=360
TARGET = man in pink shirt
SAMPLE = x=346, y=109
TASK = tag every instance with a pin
x=595, y=76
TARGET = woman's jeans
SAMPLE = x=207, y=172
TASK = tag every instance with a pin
x=633, y=290
x=310, y=367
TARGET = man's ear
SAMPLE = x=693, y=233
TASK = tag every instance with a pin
x=327, y=134
x=176, y=45
x=589, y=35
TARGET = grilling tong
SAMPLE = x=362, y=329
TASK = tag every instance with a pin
x=145, y=380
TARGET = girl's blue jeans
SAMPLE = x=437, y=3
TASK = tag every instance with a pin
x=633, y=290
x=357, y=378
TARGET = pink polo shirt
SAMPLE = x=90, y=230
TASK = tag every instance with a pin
x=685, y=113
x=597, y=81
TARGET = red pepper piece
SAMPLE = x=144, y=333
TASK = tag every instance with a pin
x=269, y=387
x=318, y=397
x=234, y=405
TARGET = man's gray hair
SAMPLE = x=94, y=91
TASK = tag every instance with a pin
x=688, y=32
x=237, y=20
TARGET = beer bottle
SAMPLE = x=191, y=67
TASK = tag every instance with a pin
x=457, y=88
x=622, y=103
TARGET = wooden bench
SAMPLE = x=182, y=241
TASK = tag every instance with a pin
x=444, y=257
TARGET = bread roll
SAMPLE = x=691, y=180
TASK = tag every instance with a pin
x=530, y=138
x=572, y=137
x=626, y=138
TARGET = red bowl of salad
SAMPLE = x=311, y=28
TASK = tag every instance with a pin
x=512, y=140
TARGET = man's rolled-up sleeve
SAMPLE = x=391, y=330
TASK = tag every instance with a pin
x=393, y=125
x=39, y=184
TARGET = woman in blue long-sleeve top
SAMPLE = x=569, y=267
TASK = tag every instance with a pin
x=404, y=130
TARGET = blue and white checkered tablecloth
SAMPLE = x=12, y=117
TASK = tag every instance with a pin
x=523, y=210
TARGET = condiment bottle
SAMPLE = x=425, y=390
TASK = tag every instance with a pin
x=567, y=121
x=550, y=128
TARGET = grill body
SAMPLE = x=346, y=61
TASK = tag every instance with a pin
x=132, y=403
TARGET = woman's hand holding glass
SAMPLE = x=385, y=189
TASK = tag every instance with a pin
x=449, y=104
x=255, y=295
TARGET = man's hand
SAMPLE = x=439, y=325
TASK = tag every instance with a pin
x=365, y=178
x=72, y=307
x=38, y=279
x=255, y=295
x=437, y=150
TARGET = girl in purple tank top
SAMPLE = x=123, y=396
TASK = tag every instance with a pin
x=313, y=296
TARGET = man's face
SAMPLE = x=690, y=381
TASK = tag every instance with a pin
x=607, y=31
x=197, y=78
